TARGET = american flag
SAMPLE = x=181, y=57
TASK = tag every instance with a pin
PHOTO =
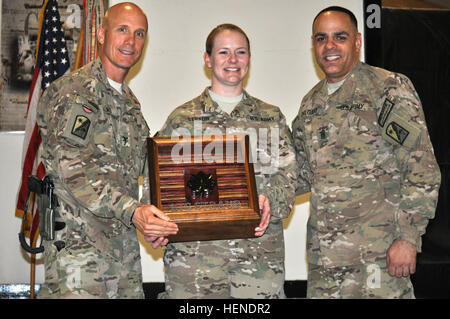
x=52, y=61
x=53, y=58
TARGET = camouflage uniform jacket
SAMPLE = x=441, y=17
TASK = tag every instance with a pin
x=365, y=154
x=94, y=149
x=275, y=172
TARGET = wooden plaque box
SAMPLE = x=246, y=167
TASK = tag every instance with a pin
x=206, y=185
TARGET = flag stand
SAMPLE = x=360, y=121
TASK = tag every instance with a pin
x=32, y=275
x=34, y=235
x=33, y=267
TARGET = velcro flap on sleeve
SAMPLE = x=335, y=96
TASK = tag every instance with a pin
x=398, y=131
x=81, y=120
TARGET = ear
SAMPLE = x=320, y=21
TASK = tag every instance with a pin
x=358, y=42
x=101, y=35
x=207, y=59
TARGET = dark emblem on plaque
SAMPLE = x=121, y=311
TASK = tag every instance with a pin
x=201, y=186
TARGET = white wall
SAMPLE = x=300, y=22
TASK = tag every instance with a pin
x=172, y=72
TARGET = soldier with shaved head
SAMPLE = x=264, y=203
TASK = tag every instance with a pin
x=94, y=137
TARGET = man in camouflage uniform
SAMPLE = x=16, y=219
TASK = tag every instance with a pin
x=94, y=137
x=240, y=268
x=364, y=152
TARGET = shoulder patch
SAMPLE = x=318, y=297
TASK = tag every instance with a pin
x=385, y=110
x=78, y=123
x=397, y=132
x=397, y=126
x=81, y=126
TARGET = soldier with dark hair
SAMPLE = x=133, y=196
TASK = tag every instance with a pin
x=364, y=153
x=94, y=137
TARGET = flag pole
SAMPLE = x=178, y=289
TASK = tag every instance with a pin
x=33, y=270
x=33, y=240
x=32, y=275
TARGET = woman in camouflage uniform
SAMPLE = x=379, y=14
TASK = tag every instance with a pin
x=241, y=268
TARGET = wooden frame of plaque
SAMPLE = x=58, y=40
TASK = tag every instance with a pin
x=206, y=185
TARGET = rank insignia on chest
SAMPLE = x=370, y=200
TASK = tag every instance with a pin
x=81, y=126
x=323, y=136
x=397, y=132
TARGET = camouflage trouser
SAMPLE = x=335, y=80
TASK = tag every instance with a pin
x=86, y=273
x=370, y=280
x=223, y=269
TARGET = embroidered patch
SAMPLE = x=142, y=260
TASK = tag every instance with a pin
x=352, y=107
x=385, y=111
x=199, y=118
x=323, y=136
x=86, y=109
x=125, y=140
x=81, y=126
x=397, y=132
x=260, y=119
x=310, y=112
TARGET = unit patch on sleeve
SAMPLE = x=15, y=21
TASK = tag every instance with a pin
x=81, y=126
x=78, y=123
x=398, y=129
x=397, y=132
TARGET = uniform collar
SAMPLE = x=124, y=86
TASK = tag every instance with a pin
x=349, y=85
x=246, y=105
x=99, y=72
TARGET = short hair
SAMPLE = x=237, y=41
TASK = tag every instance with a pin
x=339, y=9
x=222, y=27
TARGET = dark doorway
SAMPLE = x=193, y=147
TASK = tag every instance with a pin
x=416, y=42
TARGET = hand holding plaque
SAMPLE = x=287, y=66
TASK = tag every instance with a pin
x=152, y=223
x=264, y=206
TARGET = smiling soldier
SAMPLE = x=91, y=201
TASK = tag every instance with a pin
x=94, y=137
x=364, y=153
